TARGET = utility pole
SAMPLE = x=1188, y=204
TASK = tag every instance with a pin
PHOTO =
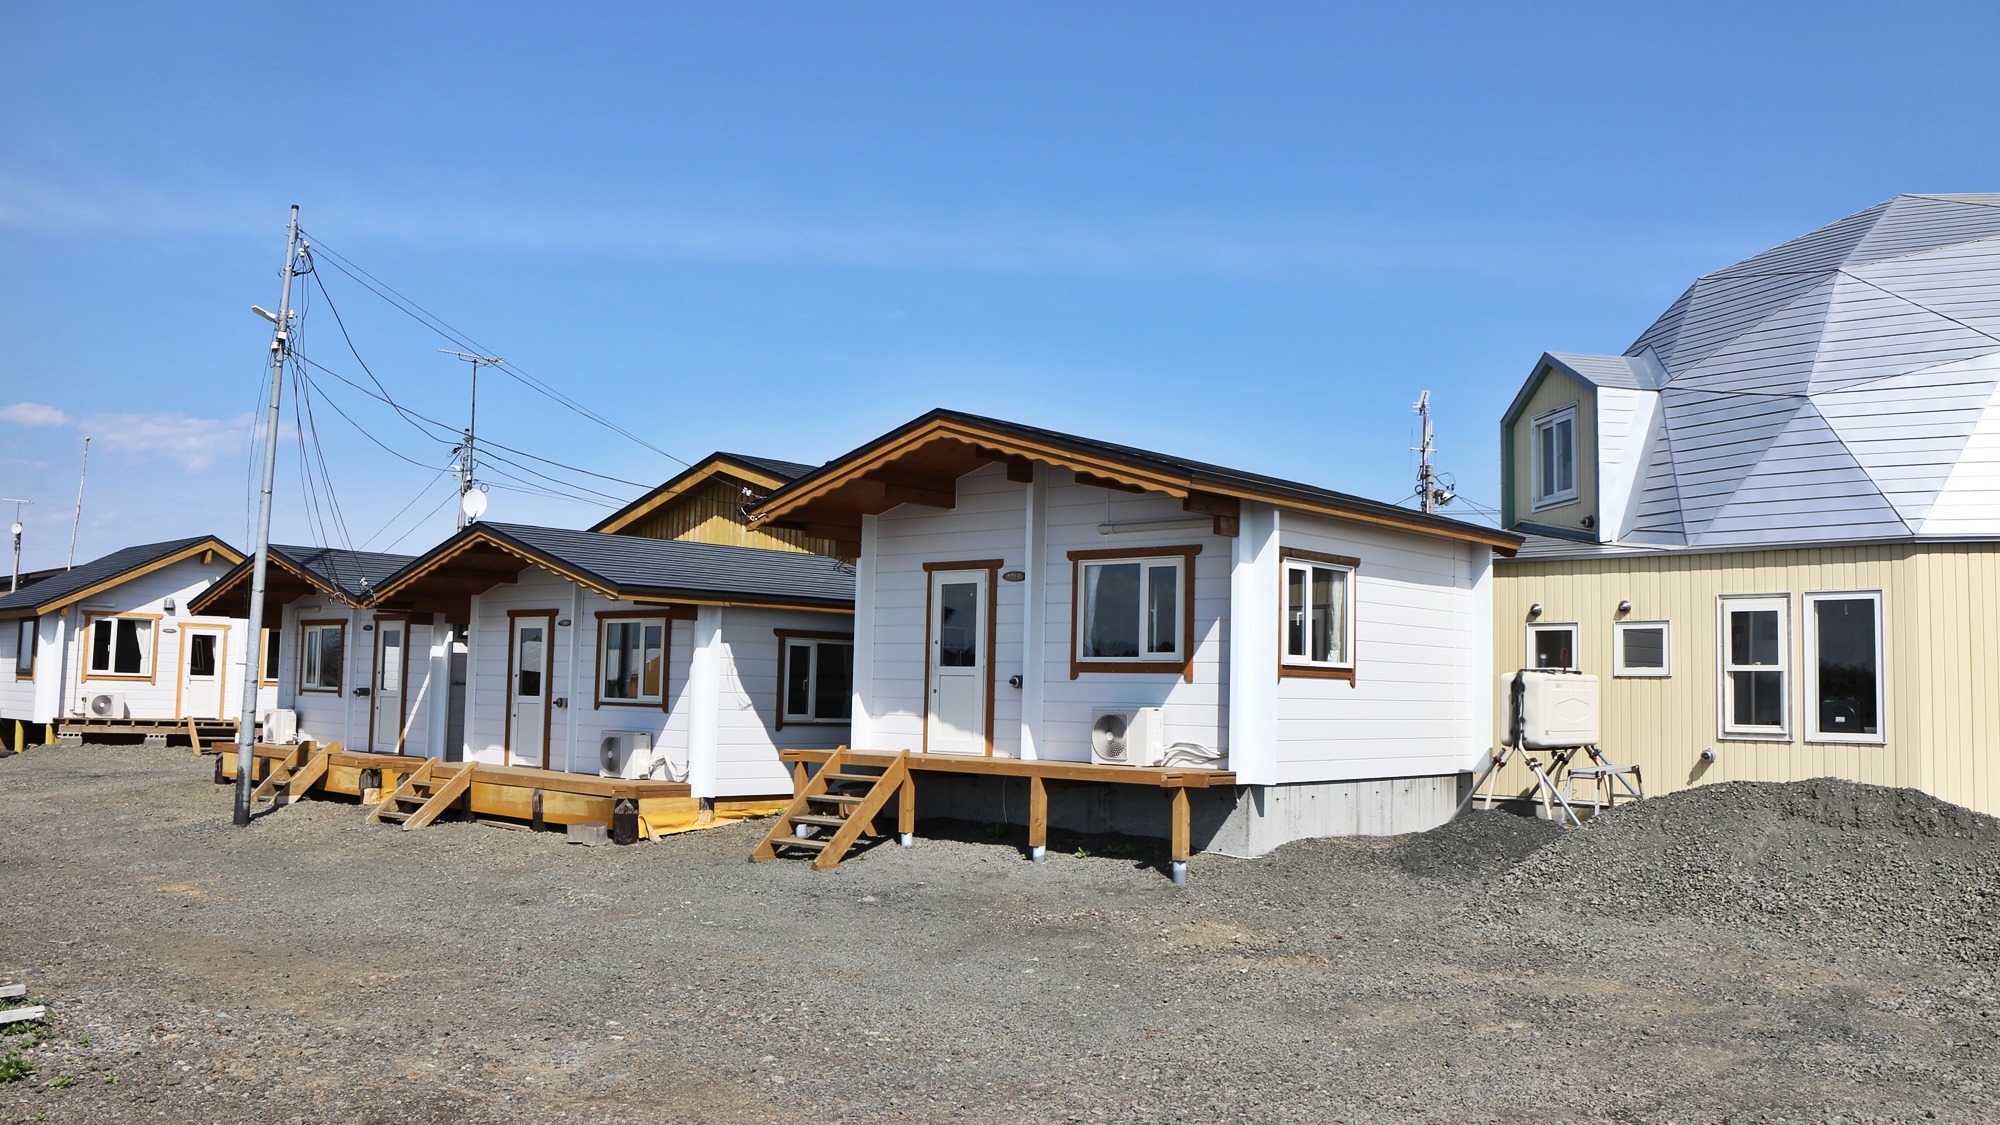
x=77, y=519
x=469, y=508
x=1430, y=494
x=246, y=724
x=17, y=502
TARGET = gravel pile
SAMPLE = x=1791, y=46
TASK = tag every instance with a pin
x=1475, y=846
x=1867, y=867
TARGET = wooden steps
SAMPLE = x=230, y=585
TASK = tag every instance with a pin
x=296, y=773
x=828, y=824
x=424, y=794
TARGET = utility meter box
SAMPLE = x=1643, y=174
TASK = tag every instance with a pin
x=1558, y=710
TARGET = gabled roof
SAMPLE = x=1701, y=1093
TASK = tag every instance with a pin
x=1843, y=386
x=919, y=461
x=484, y=555
x=765, y=473
x=94, y=577
x=296, y=572
x=1626, y=372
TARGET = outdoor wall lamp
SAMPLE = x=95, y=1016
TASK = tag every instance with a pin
x=1625, y=607
x=369, y=627
x=1535, y=610
x=563, y=623
x=168, y=605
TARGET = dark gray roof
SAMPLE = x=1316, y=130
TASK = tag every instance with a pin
x=354, y=574
x=57, y=590
x=631, y=566
x=788, y=470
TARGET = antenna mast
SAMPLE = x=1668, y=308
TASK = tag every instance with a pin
x=470, y=509
x=1430, y=494
x=17, y=502
x=77, y=519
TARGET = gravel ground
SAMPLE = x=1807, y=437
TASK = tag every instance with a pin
x=1812, y=952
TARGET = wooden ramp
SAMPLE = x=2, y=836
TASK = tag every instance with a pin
x=425, y=794
x=295, y=774
x=832, y=810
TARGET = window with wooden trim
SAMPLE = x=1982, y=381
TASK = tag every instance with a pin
x=1755, y=671
x=1318, y=596
x=1552, y=645
x=1641, y=649
x=1844, y=681
x=24, y=648
x=817, y=675
x=267, y=671
x=631, y=660
x=1130, y=609
x=322, y=647
x=1554, y=458
x=121, y=647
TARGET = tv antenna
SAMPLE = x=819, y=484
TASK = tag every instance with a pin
x=471, y=494
x=1432, y=492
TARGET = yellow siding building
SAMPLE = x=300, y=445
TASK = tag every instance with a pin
x=1772, y=527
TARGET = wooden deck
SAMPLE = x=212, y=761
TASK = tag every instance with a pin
x=538, y=797
x=1039, y=772
x=198, y=732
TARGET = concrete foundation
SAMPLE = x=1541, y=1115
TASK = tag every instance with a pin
x=1245, y=821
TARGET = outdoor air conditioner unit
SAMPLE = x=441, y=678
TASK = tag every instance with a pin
x=626, y=754
x=1127, y=736
x=280, y=725
x=104, y=705
x=1558, y=710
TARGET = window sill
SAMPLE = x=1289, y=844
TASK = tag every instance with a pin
x=1548, y=502
x=1314, y=672
x=1754, y=736
x=138, y=678
x=649, y=704
x=319, y=691
x=1642, y=675
x=1831, y=740
x=1183, y=669
x=815, y=723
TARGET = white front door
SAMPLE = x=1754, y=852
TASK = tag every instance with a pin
x=956, y=723
x=528, y=704
x=386, y=692
x=205, y=650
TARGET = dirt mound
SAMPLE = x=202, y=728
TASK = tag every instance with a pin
x=1475, y=845
x=1822, y=860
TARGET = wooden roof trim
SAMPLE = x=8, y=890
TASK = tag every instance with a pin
x=1179, y=486
x=701, y=474
x=209, y=544
x=484, y=538
x=240, y=573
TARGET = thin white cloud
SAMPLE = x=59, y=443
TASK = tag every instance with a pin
x=190, y=442
x=33, y=414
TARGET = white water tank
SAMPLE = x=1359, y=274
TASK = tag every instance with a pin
x=1558, y=709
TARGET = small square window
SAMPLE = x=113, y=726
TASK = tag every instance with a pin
x=322, y=647
x=1552, y=646
x=632, y=660
x=818, y=679
x=1641, y=648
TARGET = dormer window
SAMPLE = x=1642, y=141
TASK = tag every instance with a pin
x=1555, y=458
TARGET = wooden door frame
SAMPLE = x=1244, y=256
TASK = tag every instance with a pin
x=548, y=665
x=402, y=689
x=221, y=672
x=931, y=571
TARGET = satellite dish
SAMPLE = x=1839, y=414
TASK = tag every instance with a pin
x=473, y=504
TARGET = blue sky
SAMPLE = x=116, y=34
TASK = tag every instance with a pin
x=1249, y=234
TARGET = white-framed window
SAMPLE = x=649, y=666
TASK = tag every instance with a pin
x=1844, y=681
x=1554, y=458
x=632, y=660
x=24, y=649
x=322, y=648
x=818, y=678
x=1755, y=632
x=1318, y=593
x=1130, y=609
x=121, y=647
x=268, y=669
x=1641, y=648
x=1552, y=645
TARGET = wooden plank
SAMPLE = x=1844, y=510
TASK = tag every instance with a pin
x=1038, y=812
x=9, y=991
x=441, y=799
x=16, y=1015
x=1168, y=777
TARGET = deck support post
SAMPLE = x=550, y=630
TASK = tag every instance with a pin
x=1038, y=818
x=625, y=821
x=220, y=779
x=535, y=820
x=906, y=812
x=1181, y=843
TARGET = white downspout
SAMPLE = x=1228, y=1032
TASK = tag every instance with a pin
x=1253, y=647
x=1034, y=612
x=705, y=694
